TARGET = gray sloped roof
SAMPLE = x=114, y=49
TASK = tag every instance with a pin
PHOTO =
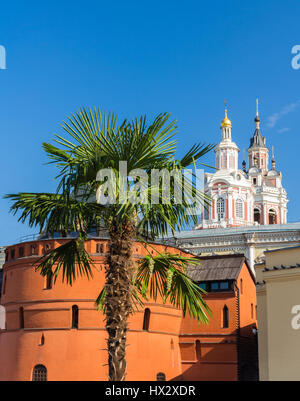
x=221, y=267
x=257, y=140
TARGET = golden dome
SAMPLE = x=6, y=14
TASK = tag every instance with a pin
x=226, y=122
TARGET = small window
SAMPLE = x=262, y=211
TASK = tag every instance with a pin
x=4, y=285
x=160, y=377
x=256, y=215
x=46, y=248
x=100, y=248
x=39, y=374
x=220, y=286
x=146, y=322
x=224, y=285
x=221, y=209
x=12, y=254
x=33, y=249
x=203, y=286
x=225, y=317
x=6, y=256
x=49, y=281
x=21, y=252
x=252, y=311
x=272, y=217
x=206, y=213
x=239, y=209
x=21, y=313
x=75, y=317
x=254, y=181
x=241, y=286
x=198, y=350
x=42, y=341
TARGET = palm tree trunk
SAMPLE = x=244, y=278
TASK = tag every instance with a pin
x=118, y=296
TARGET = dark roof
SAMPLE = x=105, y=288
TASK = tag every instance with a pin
x=282, y=267
x=283, y=249
x=257, y=140
x=219, y=267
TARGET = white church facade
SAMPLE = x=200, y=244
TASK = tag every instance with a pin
x=243, y=197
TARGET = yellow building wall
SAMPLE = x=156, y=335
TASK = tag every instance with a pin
x=279, y=316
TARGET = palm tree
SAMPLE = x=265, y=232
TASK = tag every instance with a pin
x=95, y=142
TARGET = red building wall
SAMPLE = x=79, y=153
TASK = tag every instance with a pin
x=218, y=356
x=78, y=354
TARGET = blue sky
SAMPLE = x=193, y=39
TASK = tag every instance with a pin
x=138, y=57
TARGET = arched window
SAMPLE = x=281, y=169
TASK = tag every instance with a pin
x=75, y=313
x=239, y=209
x=256, y=215
x=272, y=217
x=198, y=350
x=39, y=374
x=4, y=285
x=146, y=321
x=100, y=248
x=220, y=209
x=21, y=252
x=42, y=341
x=225, y=317
x=160, y=377
x=21, y=313
x=206, y=213
x=33, y=249
x=49, y=281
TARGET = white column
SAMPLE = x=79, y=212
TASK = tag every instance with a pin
x=250, y=254
x=264, y=213
x=230, y=208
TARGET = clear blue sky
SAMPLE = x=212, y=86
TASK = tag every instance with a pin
x=138, y=57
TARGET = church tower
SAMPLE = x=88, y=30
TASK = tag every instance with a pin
x=241, y=197
x=226, y=151
x=229, y=188
x=270, y=199
x=258, y=152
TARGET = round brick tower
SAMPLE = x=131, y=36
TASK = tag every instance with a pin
x=54, y=331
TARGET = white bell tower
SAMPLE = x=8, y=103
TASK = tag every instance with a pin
x=226, y=151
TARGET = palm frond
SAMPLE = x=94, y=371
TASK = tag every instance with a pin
x=164, y=276
x=55, y=212
x=71, y=258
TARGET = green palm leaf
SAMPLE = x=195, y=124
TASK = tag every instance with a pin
x=71, y=258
